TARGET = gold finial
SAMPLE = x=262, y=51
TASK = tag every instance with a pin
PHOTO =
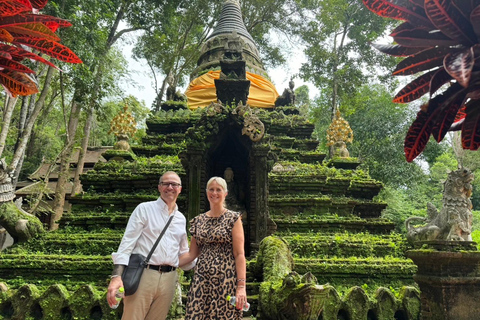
x=123, y=123
x=339, y=130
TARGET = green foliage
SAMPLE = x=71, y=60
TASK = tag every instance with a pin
x=378, y=126
x=400, y=207
x=302, y=99
x=476, y=221
x=337, y=34
x=476, y=237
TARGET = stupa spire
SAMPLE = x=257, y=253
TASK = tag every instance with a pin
x=230, y=40
x=230, y=20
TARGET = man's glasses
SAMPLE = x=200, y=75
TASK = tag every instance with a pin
x=173, y=184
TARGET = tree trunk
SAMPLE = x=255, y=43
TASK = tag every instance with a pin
x=21, y=127
x=83, y=152
x=24, y=114
x=112, y=38
x=31, y=120
x=64, y=174
x=7, y=119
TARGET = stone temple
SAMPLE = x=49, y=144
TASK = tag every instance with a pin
x=317, y=245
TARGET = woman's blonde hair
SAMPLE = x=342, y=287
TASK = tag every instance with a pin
x=218, y=180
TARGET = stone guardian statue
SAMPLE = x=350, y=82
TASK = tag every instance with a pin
x=454, y=221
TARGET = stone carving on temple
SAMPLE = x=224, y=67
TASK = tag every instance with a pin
x=7, y=192
x=253, y=127
x=454, y=221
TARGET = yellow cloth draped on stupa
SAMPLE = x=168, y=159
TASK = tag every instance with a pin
x=201, y=91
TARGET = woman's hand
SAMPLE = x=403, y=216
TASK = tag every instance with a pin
x=241, y=297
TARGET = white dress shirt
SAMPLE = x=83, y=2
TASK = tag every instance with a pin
x=143, y=228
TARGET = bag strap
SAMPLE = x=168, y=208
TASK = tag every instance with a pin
x=158, y=240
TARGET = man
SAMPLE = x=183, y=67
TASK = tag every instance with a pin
x=156, y=290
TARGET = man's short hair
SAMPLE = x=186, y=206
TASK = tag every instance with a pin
x=168, y=173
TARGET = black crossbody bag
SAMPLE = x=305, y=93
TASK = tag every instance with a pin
x=137, y=263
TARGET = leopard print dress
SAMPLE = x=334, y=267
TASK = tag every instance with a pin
x=215, y=275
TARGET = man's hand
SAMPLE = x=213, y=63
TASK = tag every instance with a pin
x=113, y=287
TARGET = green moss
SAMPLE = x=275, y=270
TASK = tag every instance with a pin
x=10, y=215
x=118, y=155
x=53, y=300
x=274, y=260
x=346, y=244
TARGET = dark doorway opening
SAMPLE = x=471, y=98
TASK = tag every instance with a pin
x=229, y=159
x=400, y=315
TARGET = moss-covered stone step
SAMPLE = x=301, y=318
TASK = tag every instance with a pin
x=280, y=141
x=290, y=168
x=104, y=182
x=344, y=163
x=315, y=184
x=128, y=176
x=179, y=126
x=361, y=245
x=116, y=201
x=96, y=220
x=75, y=243
x=358, y=271
x=142, y=164
x=306, y=144
x=159, y=139
x=54, y=268
x=300, y=224
x=155, y=150
x=322, y=204
x=283, y=127
x=299, y=155
x=286, y=142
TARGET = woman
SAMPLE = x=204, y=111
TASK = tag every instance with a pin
x=217, y=241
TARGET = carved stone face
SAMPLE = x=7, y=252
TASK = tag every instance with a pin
x=459, y=182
